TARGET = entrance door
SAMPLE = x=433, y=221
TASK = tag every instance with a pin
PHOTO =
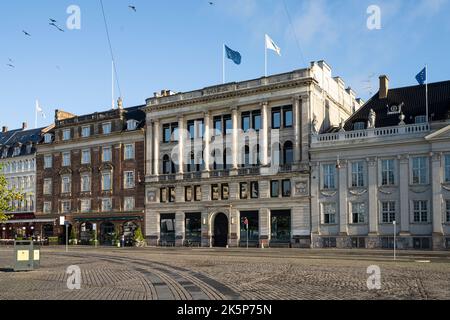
x=107, y=231
x=221, y=230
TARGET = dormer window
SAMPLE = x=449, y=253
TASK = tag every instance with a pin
x=106, y=128
x=358, y=126
x=5, y=152
x=48, y=138
x=16, y=151
x=131, y=125
x=29, y=146
x=420, y=119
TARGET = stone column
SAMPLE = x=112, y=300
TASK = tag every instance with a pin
x=373, y=196
x=235, y=146
x=305, y=128
x=234, y=223
x=181, y=144
x=265, y=134
x=149, y=149
x=179, y=229
x=207, y=138
x=436, y=189
x=343, y=205
x=404, y=195
x=206, y=234
x=156, y=142
x=264, y=227
x=315, y=205
x=297, y=129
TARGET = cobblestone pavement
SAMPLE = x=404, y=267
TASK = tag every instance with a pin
x=207, y=274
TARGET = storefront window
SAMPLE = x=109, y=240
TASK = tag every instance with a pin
x=281, y=225
x=193, y=227
x=253, y=226
x=168, y=228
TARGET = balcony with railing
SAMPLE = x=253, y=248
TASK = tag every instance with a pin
x=373, y=133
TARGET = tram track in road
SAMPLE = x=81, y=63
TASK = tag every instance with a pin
x=167, y=282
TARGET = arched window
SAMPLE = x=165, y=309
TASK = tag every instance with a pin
x=166, y=164
x=288, y=153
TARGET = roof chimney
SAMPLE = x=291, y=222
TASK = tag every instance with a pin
x=120, y=103
x=384, y=87
x=24, y=126
x=4, y=129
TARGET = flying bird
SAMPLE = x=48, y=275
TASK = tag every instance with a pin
x=53, y=24
x=10, y=65
x=211, y=3
x=53, y=20
x=26, y=33
x=132, y=8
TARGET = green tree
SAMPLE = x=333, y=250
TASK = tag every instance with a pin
x=6, y=197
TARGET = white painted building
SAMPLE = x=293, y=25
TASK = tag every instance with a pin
x=386, y=164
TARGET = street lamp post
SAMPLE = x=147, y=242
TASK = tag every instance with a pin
x=395, y=235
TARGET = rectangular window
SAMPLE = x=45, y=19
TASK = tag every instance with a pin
x=286, y=188
x=85, y=157
x=329, y=173
x=243, y=190
x=106, y=181
x=388, y=172
x=66, y=134
x=175, y=132
x=188, y=194
x=276, y=118
x=47, y=207
x=48, y=162
x=85, y=132
x=358, y=212
x=85, y=205
x=357, y=174
x=447, y=168
x=198, y=193
x=172, y=195
x=256, y=120
x=106, y=204
x=245, y=121
x=225, y=191
x=191, y=129
x=288, y=118
x=274, y=189
x=329, y=213
x=129, y=152
x=254, y=190
x=106, y=154
x=85, y=183
x=106, y=128
x=280, y=226
x=420, y=119
x=228, y=124
x=166, y=133
x=447, y=211
x=420, y=211
x=129, y=182
x=66, y=159
x=218, y=126
x=419, y=170
x=215, y=192
x=65, y=184
x=388, y=213
x=128, y=203
x=47, y=186
x=65, y=207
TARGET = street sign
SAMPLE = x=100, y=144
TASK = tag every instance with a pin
x=94, y=227
x=62, y=221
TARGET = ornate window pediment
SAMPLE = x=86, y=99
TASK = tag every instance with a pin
x=65, y=171
x=106, y=167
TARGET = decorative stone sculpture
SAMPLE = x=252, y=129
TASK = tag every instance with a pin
x=401, y=117
x=341, y=126
x=372, y=118
x=314, y=124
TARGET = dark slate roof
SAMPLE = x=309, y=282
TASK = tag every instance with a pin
x=20, y=138
x=136, y=113
x=412, y=101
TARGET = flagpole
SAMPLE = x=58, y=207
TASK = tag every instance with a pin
x=223, y=64
x=426, y=90
x=265, y=56
x=112, y=84
x=35, y=114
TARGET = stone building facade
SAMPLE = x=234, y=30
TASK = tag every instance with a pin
x=230, y=163
x=91, y=171
x=388, y=164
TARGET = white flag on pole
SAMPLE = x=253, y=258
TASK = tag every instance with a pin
x=39, y=110
x=270, y=44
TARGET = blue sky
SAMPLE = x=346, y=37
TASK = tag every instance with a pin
x=176, y=44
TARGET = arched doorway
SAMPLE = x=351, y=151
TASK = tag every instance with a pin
x=220, y=230
x=107, y=230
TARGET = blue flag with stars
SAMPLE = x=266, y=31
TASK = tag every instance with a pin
x=233, y=55
x=422, y=76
